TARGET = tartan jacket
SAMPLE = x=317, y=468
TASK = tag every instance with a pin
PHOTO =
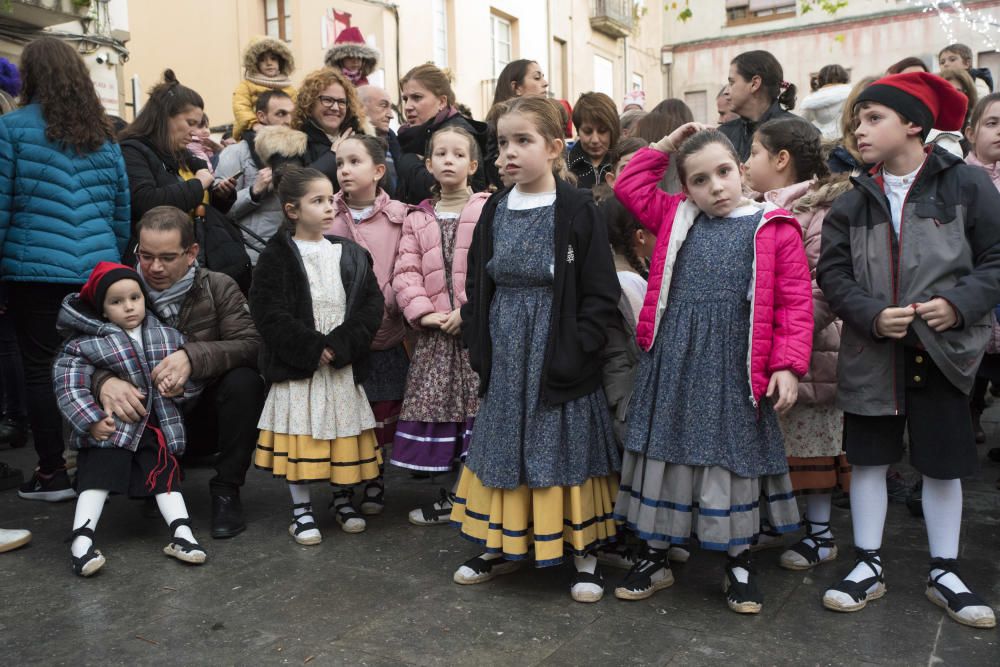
x=96, y=344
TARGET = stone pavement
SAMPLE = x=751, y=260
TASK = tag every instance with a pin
x=385, y=597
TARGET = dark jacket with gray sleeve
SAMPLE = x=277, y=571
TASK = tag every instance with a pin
x=948, y=247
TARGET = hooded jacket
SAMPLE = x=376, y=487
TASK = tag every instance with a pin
x=740, y=130
x=262, y=213
x=819, y=386
x=824, y=107
x=420, y=279
x=369, y=56
x=781, y=319
x=585, y=296
x=414, y=181
x=281, y=304
x=95, y=344
x=254, y=83
x=379, y=234
x=60, y=212
x=948, y=247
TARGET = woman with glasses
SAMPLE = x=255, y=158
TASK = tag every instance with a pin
x=64, y=207
x=328, y=110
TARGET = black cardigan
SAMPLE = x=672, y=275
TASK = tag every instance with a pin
x=281, y=307
x=584, y=297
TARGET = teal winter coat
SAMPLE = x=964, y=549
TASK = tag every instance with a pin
x=61, y=212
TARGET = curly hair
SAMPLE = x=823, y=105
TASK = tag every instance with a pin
x=313, y=86
x=55, y=76
x=803, y=142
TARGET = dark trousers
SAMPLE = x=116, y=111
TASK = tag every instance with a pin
x=35, y=307
x=224, y=420
x=12, y=400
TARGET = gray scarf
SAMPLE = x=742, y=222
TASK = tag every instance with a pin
x=168, y=302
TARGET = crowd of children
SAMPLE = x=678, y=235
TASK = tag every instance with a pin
x=617, y=371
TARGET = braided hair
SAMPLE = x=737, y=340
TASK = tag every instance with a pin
x=804, y=144
x=622, y=227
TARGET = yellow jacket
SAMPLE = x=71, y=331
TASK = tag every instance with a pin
x=244, y=100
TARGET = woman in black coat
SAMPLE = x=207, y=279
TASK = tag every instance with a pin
x=429, y=105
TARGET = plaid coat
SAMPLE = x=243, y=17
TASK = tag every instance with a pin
x=94, y=343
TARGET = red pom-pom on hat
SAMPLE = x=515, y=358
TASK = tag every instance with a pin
x=921, y=97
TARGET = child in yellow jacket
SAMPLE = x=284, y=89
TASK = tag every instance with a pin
x=268, y=64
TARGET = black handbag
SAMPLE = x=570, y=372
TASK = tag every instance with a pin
x=220, y=246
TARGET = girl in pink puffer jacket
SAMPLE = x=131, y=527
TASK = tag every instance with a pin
x=786, y=164
x=441, y=398
x=727, y=320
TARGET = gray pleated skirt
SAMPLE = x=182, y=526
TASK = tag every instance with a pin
x=673, y=502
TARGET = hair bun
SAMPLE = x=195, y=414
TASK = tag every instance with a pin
x=448, y=74
x=169, y=76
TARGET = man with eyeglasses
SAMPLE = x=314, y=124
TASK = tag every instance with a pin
x=378, y=107
x=220, y=349
x=256, y=207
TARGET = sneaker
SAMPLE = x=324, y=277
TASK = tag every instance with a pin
x=53, y=488
x=10, y=478
x=12, y=539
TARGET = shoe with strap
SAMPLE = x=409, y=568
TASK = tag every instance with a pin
x=89, y=563
x=743, y=598
x=182, y=549
x=966, y=608
x=304, y=522
x=805, y=554
x=342, y=506
x=650, y=573
x=479, y=570
x=848, y=595
x=437, y=513
x=373, y=498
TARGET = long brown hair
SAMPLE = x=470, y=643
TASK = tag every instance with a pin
x=167, y=99
x=548, y=123
x=55, y=76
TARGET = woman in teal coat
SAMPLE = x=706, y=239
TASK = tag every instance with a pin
x=64, y=207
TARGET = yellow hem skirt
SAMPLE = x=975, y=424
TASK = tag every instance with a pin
x=554, y=520
x=300, y=459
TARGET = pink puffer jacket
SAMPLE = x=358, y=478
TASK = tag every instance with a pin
x=781, y=320
x=992, y=170
x=379, y=234
x=819, y=386
x=420, y=279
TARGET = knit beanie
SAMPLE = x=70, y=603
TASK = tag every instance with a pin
x=104, y=275
x=922, y=98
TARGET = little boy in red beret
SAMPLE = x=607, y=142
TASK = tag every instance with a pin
x=109, y=327
x=911, y=262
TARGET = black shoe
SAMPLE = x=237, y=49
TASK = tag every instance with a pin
x=52, y=488
x=227, y=516
x=10, y=478
x=14, y=431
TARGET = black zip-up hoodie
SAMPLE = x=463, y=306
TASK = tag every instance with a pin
x=584, y=297
x=281, y=307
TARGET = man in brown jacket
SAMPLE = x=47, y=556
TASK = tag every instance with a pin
x=220, y=349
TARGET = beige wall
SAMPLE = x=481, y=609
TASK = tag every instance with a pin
x=866, y=38
x=208, y=56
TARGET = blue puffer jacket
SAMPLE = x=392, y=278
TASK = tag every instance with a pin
x=60, y=212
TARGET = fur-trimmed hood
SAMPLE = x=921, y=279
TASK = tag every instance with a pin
x=259, y=46
x=277, y=140
x=369, y=56
x=802, y=198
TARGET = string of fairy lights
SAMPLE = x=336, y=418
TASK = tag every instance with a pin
x=954, y=13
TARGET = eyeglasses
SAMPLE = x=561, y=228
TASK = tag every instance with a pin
x=330, y=102
x=168, y=258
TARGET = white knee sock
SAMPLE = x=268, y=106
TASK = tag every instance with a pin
x=869, y=502
x=301, y=494
x=942, y=502
x=818, y=515
x=89, y=506
x=172, y=508
x=741, y=574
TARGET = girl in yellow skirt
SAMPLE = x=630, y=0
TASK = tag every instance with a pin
x=317, y=305
x=541, y=468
